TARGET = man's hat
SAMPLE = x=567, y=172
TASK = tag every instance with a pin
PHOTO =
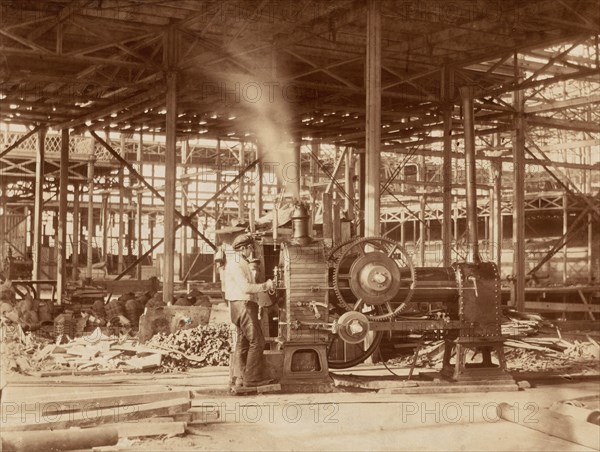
x=242, y=240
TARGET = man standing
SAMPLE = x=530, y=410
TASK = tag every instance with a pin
x=240, y=291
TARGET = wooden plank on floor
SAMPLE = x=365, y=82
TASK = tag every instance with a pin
x=451, y=389
x=60, y=403
x=142, y=429
x=99, y=416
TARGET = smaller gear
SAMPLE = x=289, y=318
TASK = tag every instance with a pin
x=353, y=327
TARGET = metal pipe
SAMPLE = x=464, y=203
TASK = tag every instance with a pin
x=75, y=236
x=90, y=223
x=170, y=187
x=466, y=94
x=372, y=222
x=447, y=91
x=39, y=205
x=61, y=260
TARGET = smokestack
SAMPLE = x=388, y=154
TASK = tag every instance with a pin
x=466, y=94
x=300, y=225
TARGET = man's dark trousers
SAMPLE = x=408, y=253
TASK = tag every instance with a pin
x=248, y=355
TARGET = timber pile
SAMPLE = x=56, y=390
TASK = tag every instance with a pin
x=66, y=422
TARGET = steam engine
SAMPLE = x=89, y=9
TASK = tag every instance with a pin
x=365, y=285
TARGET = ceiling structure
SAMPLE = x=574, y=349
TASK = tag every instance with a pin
x=101, y=65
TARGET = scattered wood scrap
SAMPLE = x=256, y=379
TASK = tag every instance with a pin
x=552, y=353
x=130, y=413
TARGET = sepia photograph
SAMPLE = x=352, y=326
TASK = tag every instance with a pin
x=299, y=225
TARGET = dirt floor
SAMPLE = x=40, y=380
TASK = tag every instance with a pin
x=337, y=421
x=374, y=422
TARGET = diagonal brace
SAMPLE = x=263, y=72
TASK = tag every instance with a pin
x=577, y=224
x=185, y=219
x=19, y=141
x=196, y=212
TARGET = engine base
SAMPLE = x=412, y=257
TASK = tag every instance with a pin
x=305, y=364
x=460, y=370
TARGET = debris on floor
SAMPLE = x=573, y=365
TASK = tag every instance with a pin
x=208, y=345
x=526, y=355
x=99, y=352
x=518, y=324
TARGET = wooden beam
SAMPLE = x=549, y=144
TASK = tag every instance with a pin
x=336, y=169
x=58, y=61
x=349, y=185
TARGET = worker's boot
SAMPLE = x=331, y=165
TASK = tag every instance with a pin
x=235, y=384
x=254, y=384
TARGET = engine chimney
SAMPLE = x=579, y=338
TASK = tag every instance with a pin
x=466, y=94
x=300, y=225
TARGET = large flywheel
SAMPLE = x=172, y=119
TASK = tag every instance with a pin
x=372, y=275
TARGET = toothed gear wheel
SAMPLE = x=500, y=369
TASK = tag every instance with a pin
x=372, y=271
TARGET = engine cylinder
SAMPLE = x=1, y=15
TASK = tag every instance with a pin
x=435, y=285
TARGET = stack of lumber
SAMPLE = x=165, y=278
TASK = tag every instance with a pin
x=64, y=422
